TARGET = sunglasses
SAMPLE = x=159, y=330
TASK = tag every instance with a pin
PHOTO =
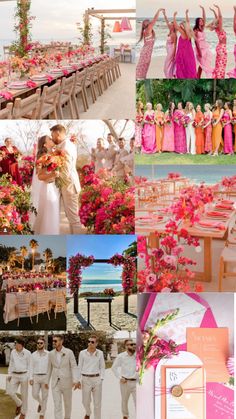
x=91, y=341
x=40, y=343
x=132, y=344
x=55, y=340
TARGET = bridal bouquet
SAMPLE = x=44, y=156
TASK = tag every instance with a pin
x=54, y=162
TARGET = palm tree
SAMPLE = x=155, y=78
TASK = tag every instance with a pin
x=33, y=245
x=24, y=253
x=48, y=255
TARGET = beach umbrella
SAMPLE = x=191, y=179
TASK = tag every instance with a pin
x=117, y=27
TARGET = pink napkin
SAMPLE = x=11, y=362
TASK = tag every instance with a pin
x=49, y=79
x=31, y=84
x=217, y=214
x=65, y=72
x=6, y=95
x=211, y=224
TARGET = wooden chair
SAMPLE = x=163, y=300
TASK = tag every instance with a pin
x=228, y=255
x=7, y=112
x=89, y=84
x=60, y=306
x=117, y=53
x=27, y=108
x=65, y=96
x=116, y=65
x=42, y=305
x=23, y=306
x=80, y=89
x=49, y=101
x=127, y=55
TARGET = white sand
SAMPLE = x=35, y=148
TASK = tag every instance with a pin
x=157, y=65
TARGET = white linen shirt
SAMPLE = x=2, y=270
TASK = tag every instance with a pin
x=125, y=366
x=91, y=363
x=39, y=363
x=19, y=361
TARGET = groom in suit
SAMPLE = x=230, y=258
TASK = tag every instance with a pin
x=62, y=369
x=70, y=191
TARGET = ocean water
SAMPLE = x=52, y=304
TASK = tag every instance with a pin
x=208, y=174
x=97, y=285
x=162, y=32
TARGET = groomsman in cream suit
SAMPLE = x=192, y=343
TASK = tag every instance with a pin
x=70, y=191
x=62, y=369
x=38, y=376
x=18, y=375
x=124, y=368
x=110, y=152
x=91, y=375
x=119, y=167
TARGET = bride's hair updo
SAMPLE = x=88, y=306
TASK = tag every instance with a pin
x=41, y=146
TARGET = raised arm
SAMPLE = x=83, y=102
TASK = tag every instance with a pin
x=203, y=14
x=177, y=27
x=213, y=10
x=188, y=27
x=219, y=17
x=166, y=19
x=235, y=20
x=154, y=20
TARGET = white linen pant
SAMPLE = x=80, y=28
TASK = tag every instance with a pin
x=59, y=392
x=127, y=389
x=39, y=385
x=190, y=139
x=22, y=381
x=70, y=200
x=92, y=386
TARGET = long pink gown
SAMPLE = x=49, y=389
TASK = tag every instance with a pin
x=185, y=60
x=169, y=65
x=168, y=143
x=145, y=57
x=180, y=134
x=221, y=56
x=208, y=134
x=138, y=130
x=232, y=73
x=149, y=135
x=228, y=136
x=205, y=60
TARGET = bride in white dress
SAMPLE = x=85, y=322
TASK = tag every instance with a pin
x=45, y=195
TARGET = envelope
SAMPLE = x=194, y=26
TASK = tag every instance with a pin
x=185, y=392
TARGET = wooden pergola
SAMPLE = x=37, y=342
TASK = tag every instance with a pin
x=107, y=14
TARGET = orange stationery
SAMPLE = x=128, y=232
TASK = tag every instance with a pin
x=211, y=345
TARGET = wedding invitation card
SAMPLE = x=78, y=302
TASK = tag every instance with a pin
x=211, y=345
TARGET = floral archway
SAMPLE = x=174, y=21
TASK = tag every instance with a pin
x=79, y=262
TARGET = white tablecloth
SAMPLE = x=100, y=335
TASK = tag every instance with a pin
x=10, y=307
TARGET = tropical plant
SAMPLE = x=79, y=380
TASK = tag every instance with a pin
x=24, y=253
x=34, y=246
x=47, y=255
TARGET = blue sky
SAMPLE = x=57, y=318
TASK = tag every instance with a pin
x=56, y=243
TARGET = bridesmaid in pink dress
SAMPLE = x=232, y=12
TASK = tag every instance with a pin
x=149, y=131
x=203, y=52
x=228, y=132
x=148, y=35
x=169, y=65
x=208, y=128
x=168, y=143
x=185, y=59
x=232, y=73
x=221, y=50
x=138, y=126
x=179, y=130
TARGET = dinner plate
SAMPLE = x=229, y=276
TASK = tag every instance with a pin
x=39, y=77
x=17, y=86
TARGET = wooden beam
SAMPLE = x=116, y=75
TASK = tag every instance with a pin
x=119, y=18
x=95, y=15
x=111, y=11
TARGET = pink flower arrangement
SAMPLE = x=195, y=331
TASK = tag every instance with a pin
x=153, y=348
x=168, y=120
x=129, y=271
x=107, y=204
x=174, y=175
x=185, y=120
x=26, y=169
x=76, y=265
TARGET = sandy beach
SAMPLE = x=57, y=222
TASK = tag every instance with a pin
x=99, y=315
x=157, y=65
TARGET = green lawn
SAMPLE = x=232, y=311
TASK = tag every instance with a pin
x=173, y=158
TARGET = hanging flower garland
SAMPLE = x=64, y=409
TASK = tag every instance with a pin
x=76, y=265
x=129, y=271
x=22, y=45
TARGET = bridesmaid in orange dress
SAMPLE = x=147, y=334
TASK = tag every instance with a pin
x=217, y=140
x=208, y=128
x=159, y=119
x=199, y=133
x=234, y=124
x=9, y=163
